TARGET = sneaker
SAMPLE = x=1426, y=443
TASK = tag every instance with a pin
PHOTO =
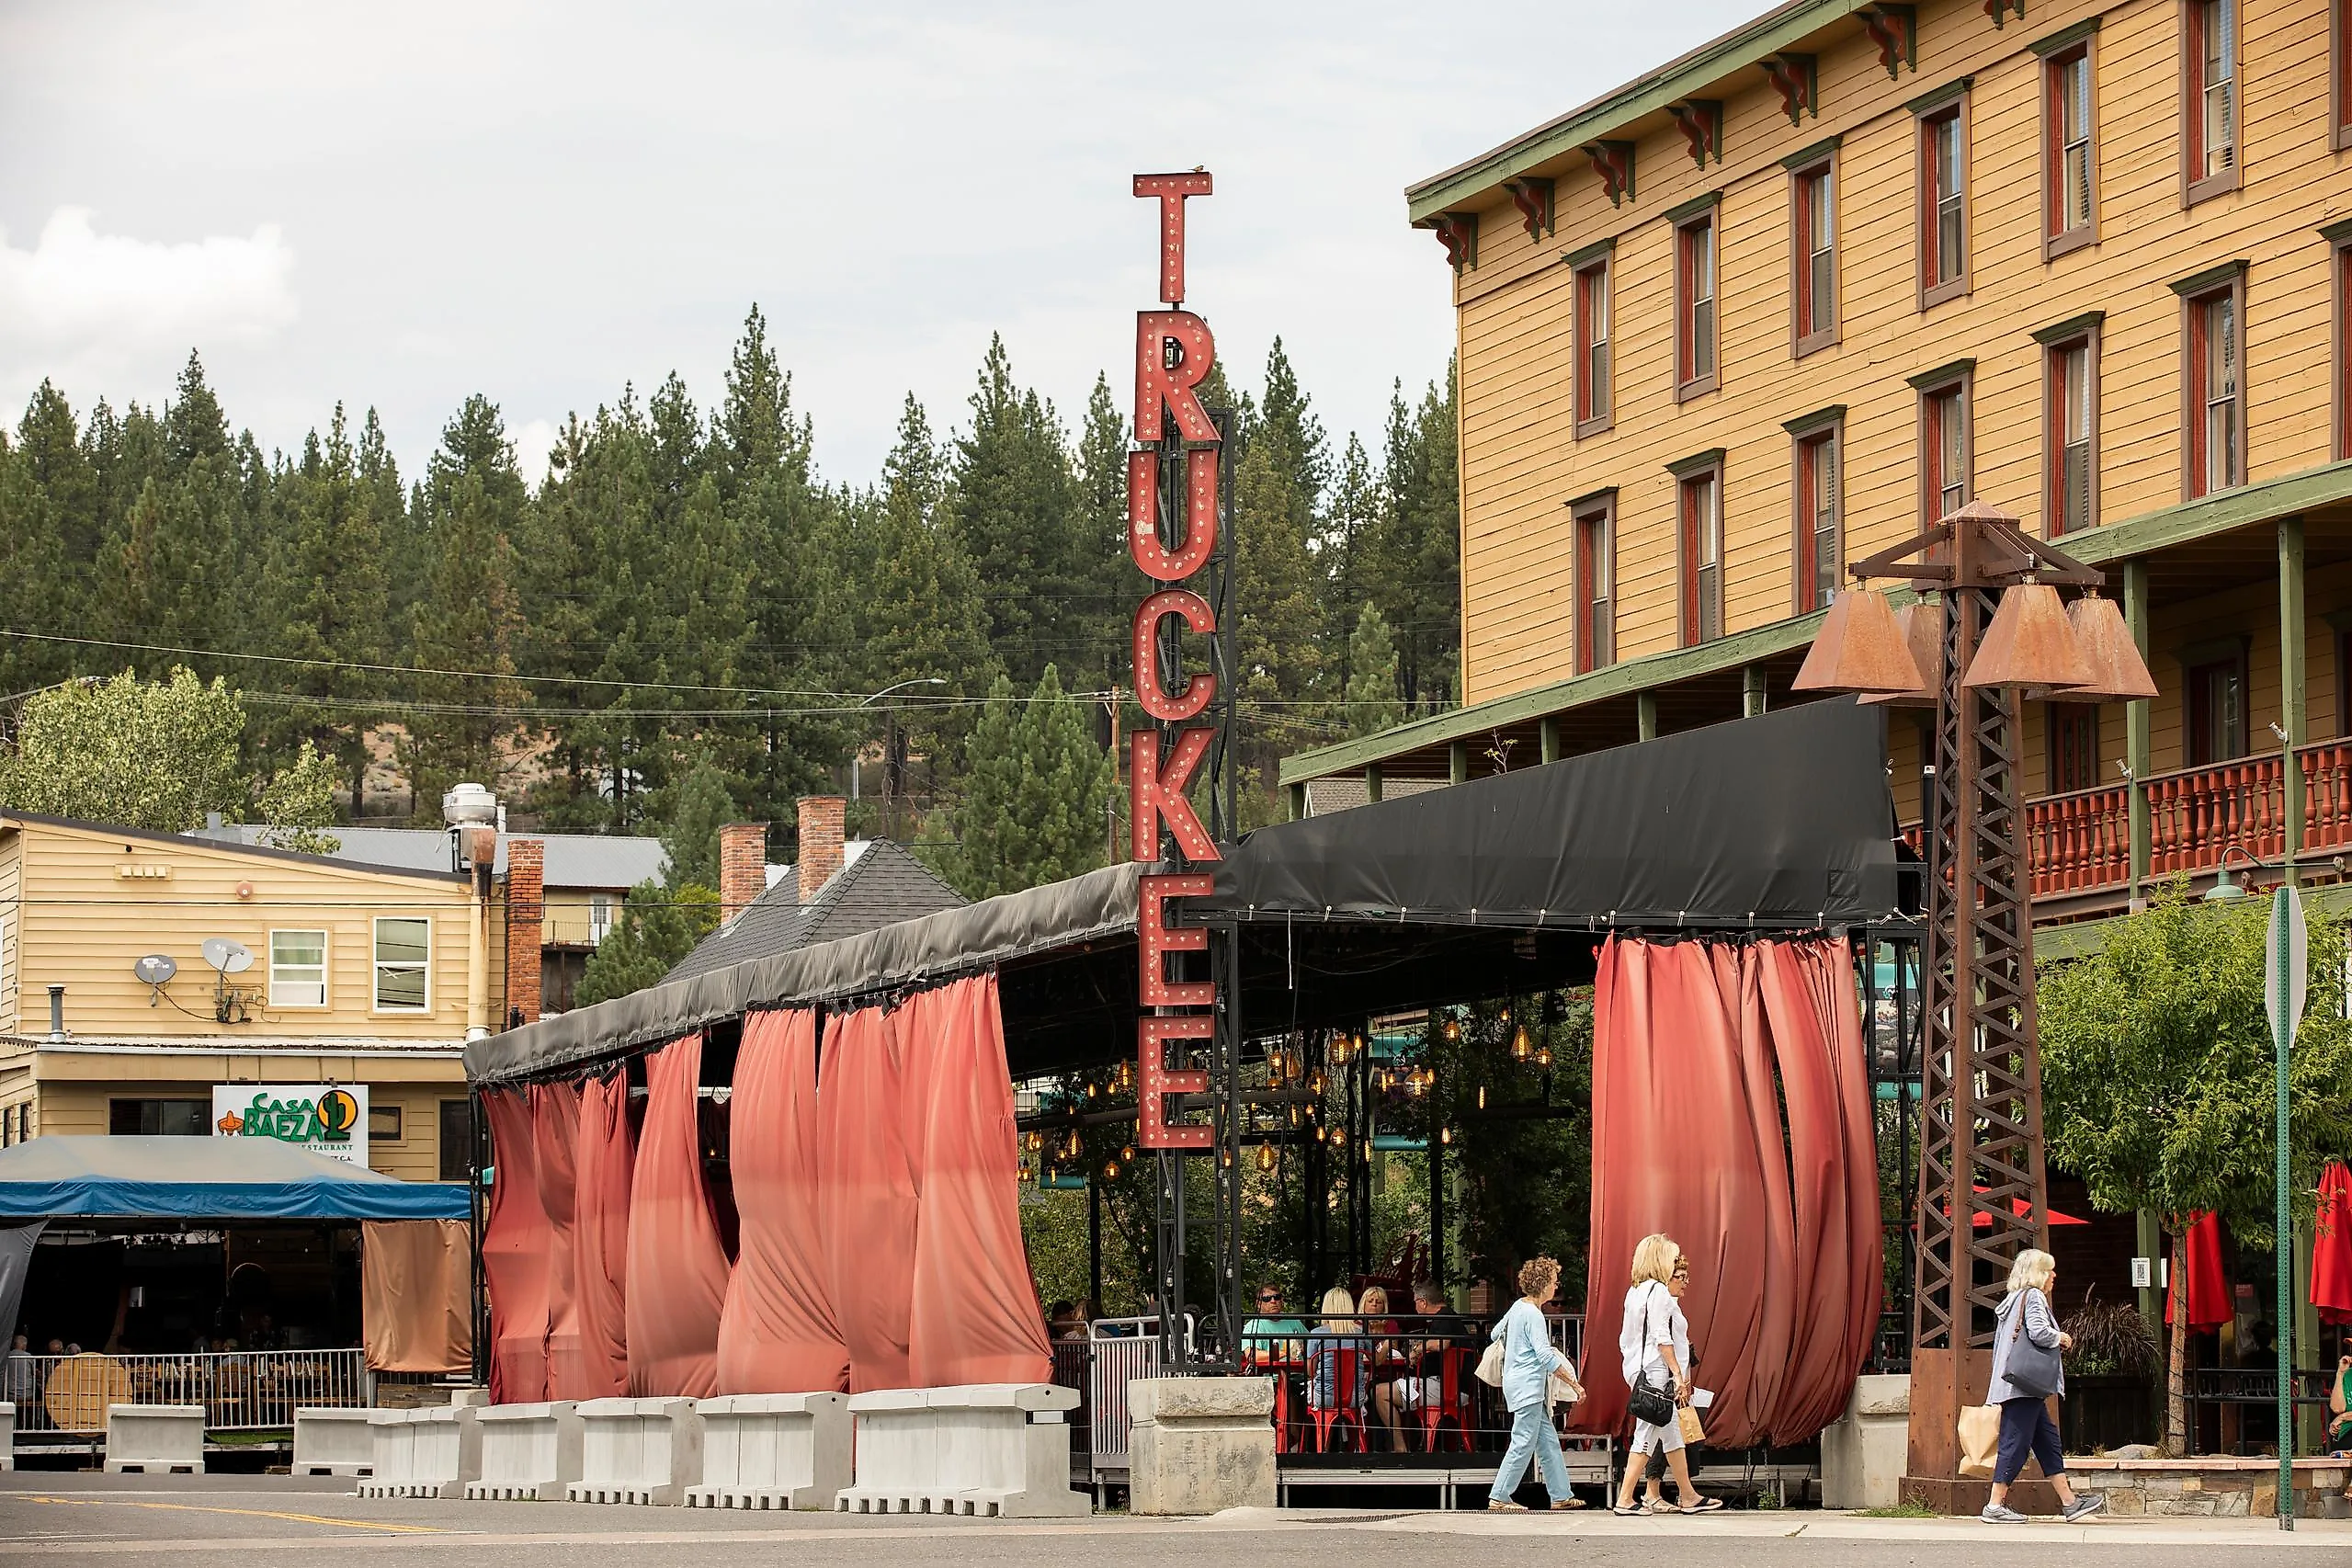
x=2086, y=1505
x=2001, y=1514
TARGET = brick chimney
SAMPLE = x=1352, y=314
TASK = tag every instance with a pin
x=526, y=913
x=743, y=865
x=824, y=820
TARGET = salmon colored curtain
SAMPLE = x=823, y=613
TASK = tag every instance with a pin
x=514, y=1246
x=1695, y=1047
x=555, y=1130
x=866, y=1198
x=416, y=1295
x=2331, y=1247
x=776, y=1334
x=677, y=1266
x=595, y=1363
x=974, y=1317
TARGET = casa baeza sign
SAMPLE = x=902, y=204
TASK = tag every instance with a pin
x=326, y=1118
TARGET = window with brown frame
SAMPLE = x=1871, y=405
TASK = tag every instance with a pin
x=1701, y=496
x=1820, y=507
x=1946, y=482
x=1595, y=572
x=2071, y=431
x=2072, y=731
x=1943, y=204
x=2209, y=101
x=1813, y=285
x=2217, y=727
x=2213, y=389
x=1594, y=410
x=1695, y=344
x=2070, y=153
x=2339, y=76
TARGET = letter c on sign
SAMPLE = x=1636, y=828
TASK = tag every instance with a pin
x=1198, y=691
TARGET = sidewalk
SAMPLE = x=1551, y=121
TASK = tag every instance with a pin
x=2327, y=1535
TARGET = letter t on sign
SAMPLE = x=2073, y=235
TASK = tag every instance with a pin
x=1172, y=189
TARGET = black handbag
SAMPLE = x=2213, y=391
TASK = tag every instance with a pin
x=2033, y=1370
x=1651, y=1404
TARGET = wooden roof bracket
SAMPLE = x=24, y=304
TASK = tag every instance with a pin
x=1613, y=161
x=1458, y=232
x=1701, y=120
x=1895, y=29
x=1798, y=78
x=1531, y=194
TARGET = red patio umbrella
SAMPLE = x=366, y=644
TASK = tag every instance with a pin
x=2331, y=1247
x=2209, y=1287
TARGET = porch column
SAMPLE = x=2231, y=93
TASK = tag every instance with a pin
x=2291, y=678
x=1297, y=796
x=2138, y=718
x=1457, y=763
x=1645, y=716
x=1372, y=782
x=1751, y=690
x=1550, y=741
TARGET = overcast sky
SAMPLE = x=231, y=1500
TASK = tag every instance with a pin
x=399, y=205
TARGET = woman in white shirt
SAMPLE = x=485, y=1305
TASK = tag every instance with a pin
x=1654, y=1346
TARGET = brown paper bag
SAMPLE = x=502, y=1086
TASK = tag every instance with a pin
x=1693, y=1432
x=1980, y=1439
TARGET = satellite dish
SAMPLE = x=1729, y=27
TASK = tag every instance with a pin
x=226, y=954
x=156, y=968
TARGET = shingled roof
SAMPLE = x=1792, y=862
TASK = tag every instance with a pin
x=882, y=885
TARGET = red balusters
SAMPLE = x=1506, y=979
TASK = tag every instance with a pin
x=2195, y=814
x=2080, y=840
x=2327, y=795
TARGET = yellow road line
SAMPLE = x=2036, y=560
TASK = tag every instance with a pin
x=249, y=1513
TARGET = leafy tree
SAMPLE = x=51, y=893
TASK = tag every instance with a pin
x=657, y=927
x=129, y=753
x=2158, y=1075
x=298, y=804
x=699, y=808
x=1372, y=704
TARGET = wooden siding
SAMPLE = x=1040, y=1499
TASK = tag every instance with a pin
x=1520, y=463
x=82, y=923
x=11, y=916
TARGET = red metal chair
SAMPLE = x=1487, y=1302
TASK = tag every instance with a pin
x=1453, y=1403
x=1347, y=1397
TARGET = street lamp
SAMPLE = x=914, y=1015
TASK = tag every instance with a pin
x=2226, y=889
x=890, y=749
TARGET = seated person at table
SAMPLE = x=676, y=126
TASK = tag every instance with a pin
x=1425, y=1357
x=1271, y=1336
x=1339, y=1331
x=1387, y=1363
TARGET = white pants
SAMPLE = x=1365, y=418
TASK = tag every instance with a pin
x=1663, y=1439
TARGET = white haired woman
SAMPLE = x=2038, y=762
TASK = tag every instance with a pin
x=1655, y=1345
x=2026, y=1425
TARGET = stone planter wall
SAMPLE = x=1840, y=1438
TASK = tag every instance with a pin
x=2209, y=1487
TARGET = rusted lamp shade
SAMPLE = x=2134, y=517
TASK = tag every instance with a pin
x=2029, y=643
x=2117, y=672
x=1922, y=624
x=1860, y=648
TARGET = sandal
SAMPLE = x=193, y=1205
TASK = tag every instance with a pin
x=1660, y=1505
x=1705, y=1505
x=1567, y=1503
x=1625, y=1513
x=1505, y=1505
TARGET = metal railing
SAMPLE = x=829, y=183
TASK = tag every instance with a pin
x=2080, y=840
x=242, y=1390
x=1119, y=1350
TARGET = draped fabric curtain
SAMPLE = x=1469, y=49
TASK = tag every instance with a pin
x=515, y=1254
x=974, y=1317
x=865, y=1197
x=416, y=1295
x=677, y=1266
x=597, y=1364
x=1730, y=1111
x=2331, y=1247
x=777, y=1333
x=555, y=1132
x=2209, y=1303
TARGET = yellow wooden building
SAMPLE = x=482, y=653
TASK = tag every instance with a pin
x=359, y=975
x=1767, y=308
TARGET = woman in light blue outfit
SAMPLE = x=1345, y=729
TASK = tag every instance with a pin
x=1529, y=1363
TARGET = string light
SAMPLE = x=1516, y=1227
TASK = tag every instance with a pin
x=1481, y=1097
x=1445, y=1136
x=1543, y=1057
x=1111, y=1170
x=1453, y=1028
x=1519, y=1045
x=1266, y=1156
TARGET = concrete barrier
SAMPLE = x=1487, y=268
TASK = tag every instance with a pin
x=155, y=1439
x=1864, y=1451
x=7, y=1434
x=1200, y=1445
x=332, y=1440
x=773, y=1450
x=638, y=1450
x=991, y=1448
x=529, y=1452
x=433, y=1451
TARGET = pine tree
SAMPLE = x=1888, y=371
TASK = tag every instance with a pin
x=1016, y=504
x=1108, y=582
x=35, y=584
x=1413, y=563
x=327, y=590
x=1372, y=704
x=1036, y=789
x=657, y=927
x=698, y=807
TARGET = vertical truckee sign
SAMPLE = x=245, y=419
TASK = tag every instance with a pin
x=1177, y=444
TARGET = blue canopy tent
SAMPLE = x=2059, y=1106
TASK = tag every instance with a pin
x=218, y=1179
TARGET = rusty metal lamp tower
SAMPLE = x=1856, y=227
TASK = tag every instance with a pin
x=1996, y=628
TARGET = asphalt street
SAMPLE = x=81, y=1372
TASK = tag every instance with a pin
x=102, y=1521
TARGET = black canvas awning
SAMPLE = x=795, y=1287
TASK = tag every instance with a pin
x=1773, y=823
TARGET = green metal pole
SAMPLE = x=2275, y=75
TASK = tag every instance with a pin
x=2282, y=1027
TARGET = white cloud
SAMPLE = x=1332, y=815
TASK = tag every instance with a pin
x=104, y=309
x=532, y=441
